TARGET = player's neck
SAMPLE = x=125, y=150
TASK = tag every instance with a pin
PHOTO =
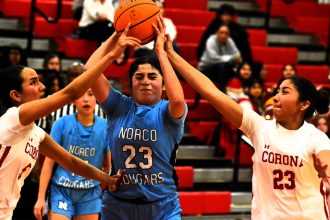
x=86, y=120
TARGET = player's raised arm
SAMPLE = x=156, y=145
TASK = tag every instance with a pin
x=101, y=86
x=220, y=101
x=173, y=86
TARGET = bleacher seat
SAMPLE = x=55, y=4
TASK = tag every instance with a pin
x=79, y=48
x=204, y=111
x=189, y=34
x=190, y=17
x=257, y=37
x=198, y=203
x=317, y=74
x=275, y=55
x=63, y=28
x=187, y=4
x=203, y=130
x=185, y=175
x=307, y=24
x=22, y=8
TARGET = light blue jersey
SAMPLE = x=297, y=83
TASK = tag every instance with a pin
x=143, y=140
x=87, y=143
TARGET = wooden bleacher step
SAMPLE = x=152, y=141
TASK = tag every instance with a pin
x=220, y=175
x=219, y=217
x=290, y=39
x=11, y=24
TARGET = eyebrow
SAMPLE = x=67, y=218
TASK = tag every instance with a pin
x=33, y=78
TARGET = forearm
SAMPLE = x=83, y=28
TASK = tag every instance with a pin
x=45, y=177
x=203, y=85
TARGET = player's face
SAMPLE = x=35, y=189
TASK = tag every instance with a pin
x=147, y=85
x=86, y=103
x=32, y=88
x=286, y=102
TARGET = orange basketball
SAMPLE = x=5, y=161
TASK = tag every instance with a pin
x=141, y=14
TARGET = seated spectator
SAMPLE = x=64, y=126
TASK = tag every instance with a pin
x=226, y=15
x=219, y=57
x=288, y=70
x=52, y=61
x=97, y=19
x=147, y=50
x=322, y=123
x=244, y=73
x=255, y=94
x=13, y=55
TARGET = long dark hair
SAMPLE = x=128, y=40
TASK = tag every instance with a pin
x=319, y=99
x=11, y=79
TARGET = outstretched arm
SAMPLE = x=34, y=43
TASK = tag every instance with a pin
x=101, y=86
x=31, y=111
x=172, y=84
x=51, y=149
x=220, y=101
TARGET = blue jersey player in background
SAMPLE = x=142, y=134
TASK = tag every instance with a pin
x=144, y=132
x=83, y=134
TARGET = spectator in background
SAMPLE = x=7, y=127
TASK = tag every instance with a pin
x=322, y=123
x=13, y=55
x=244, y=73
x=147, y=50
x=255, y=94
x=220, y=57
x=226, y=15
x=52, y=61
x=53, y=83
x=97, y=18
x=288, y=70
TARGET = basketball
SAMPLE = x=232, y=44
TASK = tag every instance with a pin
x=141, y=14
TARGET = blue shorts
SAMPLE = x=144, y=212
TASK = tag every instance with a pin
x=74, y=202
x=117, y=209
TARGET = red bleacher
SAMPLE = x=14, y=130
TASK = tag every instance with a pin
x=185, y=176
x=22, y=8
x=198, y=203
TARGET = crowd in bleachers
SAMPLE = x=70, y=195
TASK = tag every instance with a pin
x=231, y=56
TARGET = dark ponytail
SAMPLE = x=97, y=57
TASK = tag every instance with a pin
x=10, y=79
x=322, y=101
x=319, y=100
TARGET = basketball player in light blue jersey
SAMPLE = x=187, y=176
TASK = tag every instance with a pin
x=83, y=135
x=144, y=132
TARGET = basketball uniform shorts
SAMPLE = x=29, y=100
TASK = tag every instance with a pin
x=75, y=202
x=118, y=209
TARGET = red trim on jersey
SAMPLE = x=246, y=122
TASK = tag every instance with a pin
x=325, y=204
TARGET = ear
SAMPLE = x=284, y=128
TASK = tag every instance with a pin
x=15, y=96
x=305, y=105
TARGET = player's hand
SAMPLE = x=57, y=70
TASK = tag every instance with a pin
x=39, y=209
x=161, y=38
x=321, y=169
x=119, y=41
x=115, y=180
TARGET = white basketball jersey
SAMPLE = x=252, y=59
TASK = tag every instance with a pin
x=19, y=149
x=285, y=183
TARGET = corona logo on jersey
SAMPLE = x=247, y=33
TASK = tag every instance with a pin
x=31, y=150
x=276, y=158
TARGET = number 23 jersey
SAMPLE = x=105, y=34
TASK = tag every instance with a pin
x=285, y=183
x=143, y=140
